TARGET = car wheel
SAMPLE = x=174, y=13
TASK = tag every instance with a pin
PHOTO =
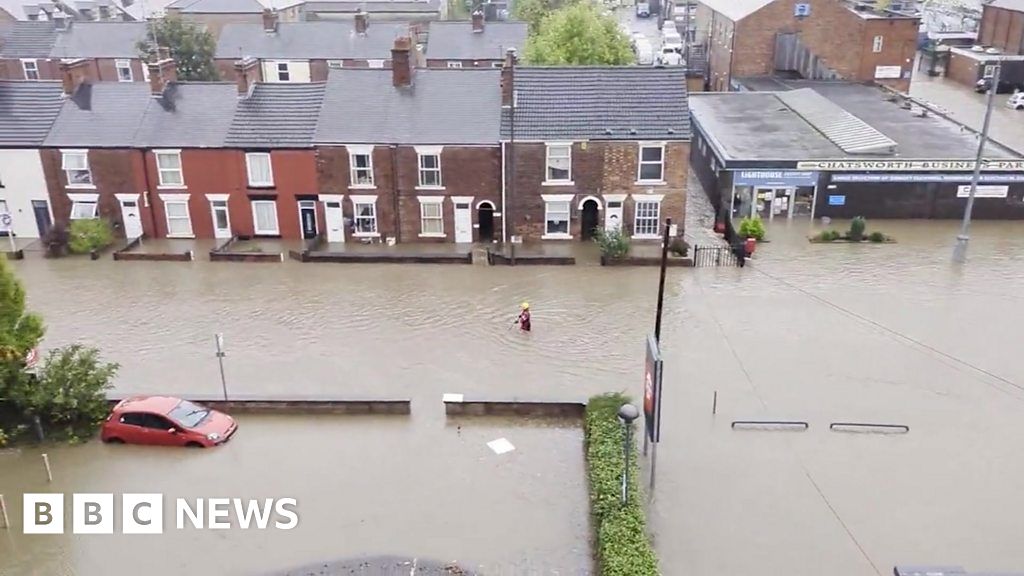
x=194, y=445
x=114, y=441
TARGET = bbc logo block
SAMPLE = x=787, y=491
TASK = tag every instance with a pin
x=93, y=514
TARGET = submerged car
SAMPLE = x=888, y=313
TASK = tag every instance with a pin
x=166, y=421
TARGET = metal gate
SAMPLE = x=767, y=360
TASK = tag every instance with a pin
x=714, y=256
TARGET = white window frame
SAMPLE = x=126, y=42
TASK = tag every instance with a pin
x=431, y=201
x=353, y=182
x=35, y=67
x=89, y=202
x=122, y=64
x=547, y=164
x=426, y=152
x=645, y=199
x=357, y=201
x=876, y=43
x=161, y=171
x=454, y=64
x=375, y=63
x=276, y=231
x=335, y=64
x=640, y=162
x=497, y=64
x=65, y=153
x=145, y=72
x=248, y=170
x=550, y=199
x=177, y=200
x=287, y=70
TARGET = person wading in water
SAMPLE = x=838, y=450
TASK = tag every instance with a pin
x=524, y=318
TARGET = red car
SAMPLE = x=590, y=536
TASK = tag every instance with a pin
x=166, y=421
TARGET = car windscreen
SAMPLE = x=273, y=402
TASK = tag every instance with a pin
x=188, y=414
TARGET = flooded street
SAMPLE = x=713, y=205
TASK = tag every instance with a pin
x=820, y=333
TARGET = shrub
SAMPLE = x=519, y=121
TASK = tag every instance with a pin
x=752, y=228
x=56, y=241
x=3, y=438
x=876, y=237
x=828, y=236
x=679, y=247
x=623, y=548
x=89, y=235
x=857, y=226
x=614, y=243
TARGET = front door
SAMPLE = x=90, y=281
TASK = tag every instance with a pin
x=335, y=222
x=221, y=219
x=463, y=223
x=613, y=215
x=42, y=213
x=307, y=218
x=485, y=218
x=588, y=219
x=131, y=218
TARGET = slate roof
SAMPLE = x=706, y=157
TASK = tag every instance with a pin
x=104, y=114
x=99, y=40
x=217, y=6
x=736, y=10
x=1015, y=5
x=27, y=110
x=189, y=115
x=370, y=7
x=307, y=40
x=277, y=115
x=361, y=106
x=26, y=39
x=457, y=41
x=600, y=103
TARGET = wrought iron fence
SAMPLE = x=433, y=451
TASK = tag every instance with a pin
x=714, y=256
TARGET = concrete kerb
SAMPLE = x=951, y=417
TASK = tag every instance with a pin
x=298, y=405
x=457, y=405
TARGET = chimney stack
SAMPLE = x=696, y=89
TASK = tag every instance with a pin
x=73, y=74
x=247, y=73
x=478, y=22
x=507, y=75
x=401, y=62
x=269, y=21
x=361, y=22
x=162, y=72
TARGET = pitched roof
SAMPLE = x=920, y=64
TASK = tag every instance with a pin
x=600, y=103
x=99, y=40
x=370, y=7
x=305, y=40
x=457, y=41
x=189, y=114
x=26, y=39
x=1015, y=5
x=845, y=130
x=736, y=10
x=361, y=106
x=277, y=115
x=27, y=110
x=105, y=114
x=217, y=6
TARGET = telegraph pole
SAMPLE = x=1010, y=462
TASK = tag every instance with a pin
x=960, y=250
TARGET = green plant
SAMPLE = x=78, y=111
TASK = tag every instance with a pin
x=88, y=235
x=679, y=247
x=876, y=237
x=828, y=236
x=857, y=226
x=614, y=244
x=3, y=438
x=192, y=47
x=623, y=548
x=578, y=35
x=752, y=228
x=56, y=241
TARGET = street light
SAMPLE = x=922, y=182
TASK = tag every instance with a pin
x=627, y=413
x=960, y=250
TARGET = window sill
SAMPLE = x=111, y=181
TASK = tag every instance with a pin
x=430, y=188
x=182, y=236
x=556, y=237
x=261, y=186
x=176, y=187
x=366, y=234
x=271, y=234
x=651, y=183
x=434, y=235
x=646, y=237
x=362, y=186
x=81, y=186
x=558, y=183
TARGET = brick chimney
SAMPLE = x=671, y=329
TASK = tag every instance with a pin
x=162, y=72
x=362, y=22
x=507, y=78
x=74, y=73
x=269, y=21
x=401, y=62
x=478, y=22
x=247, y=72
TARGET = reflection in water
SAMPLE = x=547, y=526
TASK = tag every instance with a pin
x=821, y=333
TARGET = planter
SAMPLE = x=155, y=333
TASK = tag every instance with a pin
x=749, y=246
x=719, y=227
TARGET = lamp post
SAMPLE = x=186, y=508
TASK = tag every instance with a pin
x=627, y=413
x=960, y=250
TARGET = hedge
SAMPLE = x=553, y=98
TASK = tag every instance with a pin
x=623, y=548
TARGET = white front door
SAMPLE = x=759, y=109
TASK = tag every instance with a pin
x=221, y=219
x=463, y=222
x=131, y=218
x=335, y=220
x=613, y=215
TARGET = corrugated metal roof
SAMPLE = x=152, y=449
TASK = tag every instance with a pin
x=736, y=10
x=306, y=40
x=26, y=39
x=851, y=134
x=277, y=115
x=27, y=110
x=457, y=41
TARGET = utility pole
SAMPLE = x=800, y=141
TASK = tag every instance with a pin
x=960, y=250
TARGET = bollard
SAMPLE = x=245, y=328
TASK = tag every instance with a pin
x=714, y=404
x=3, y=513
x=46, y=463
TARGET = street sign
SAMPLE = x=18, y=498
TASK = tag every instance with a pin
x=32, y=358
x=6, y=219
x=652, y=389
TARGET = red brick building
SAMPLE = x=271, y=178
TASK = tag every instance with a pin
x=1002, y=26
x=34, y=50
x=814, y=39
x=473, y=44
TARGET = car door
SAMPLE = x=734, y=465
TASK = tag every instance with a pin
x=132, y=428
x=157, y=427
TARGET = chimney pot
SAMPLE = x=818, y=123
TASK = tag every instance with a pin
x=401, y=62
x=478, y=22
x=269, y=21
x=362, y=22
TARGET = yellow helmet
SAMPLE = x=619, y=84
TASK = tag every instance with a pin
x=526, y=305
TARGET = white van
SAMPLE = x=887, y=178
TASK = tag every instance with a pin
x=670, y=57
x=644, y=52
x=670, y=38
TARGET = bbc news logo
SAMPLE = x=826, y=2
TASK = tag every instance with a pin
x=144, y=513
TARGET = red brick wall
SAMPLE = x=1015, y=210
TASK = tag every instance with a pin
x=963, y=69
x=899, y=46
x=721, y=55
x=1003, y=29
x=318, y=70
x=597, y=168
x=99, y=70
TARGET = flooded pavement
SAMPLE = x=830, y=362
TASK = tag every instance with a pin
x=880, y=333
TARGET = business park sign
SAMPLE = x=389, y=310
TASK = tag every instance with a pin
x=910, y=165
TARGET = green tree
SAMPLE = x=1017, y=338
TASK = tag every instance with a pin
x=191, y=46
x=578, y=35
x=20, y=331
x=533, y=11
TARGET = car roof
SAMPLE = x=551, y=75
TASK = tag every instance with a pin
x=159, y=404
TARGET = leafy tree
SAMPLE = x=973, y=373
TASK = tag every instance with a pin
x=191, y=46
x=533, y=11
x=20, y=331
x=578, y=34
x=88, y=235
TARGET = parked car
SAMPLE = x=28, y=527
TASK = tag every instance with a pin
x=1016, y=101
x=166, y=421
x=1005, y=86
x=670, y=38
x=643, y=9
x=670, y=57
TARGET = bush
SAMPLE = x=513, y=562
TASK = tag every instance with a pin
x=89, y=235
x=876, y=237
x=56, y=241
x=857, y=226
x=614, y=244
x=623, y=548
x=679, y=247
x=828, y=236
x=752, y=228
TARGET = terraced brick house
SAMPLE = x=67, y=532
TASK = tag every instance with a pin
x=473, y=44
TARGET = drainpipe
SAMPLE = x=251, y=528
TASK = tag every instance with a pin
x=149, y=195
x=394, y=183
x=505, y=216
x=503, y=185
x=732, y=56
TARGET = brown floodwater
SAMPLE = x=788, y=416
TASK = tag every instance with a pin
x=879, y=333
